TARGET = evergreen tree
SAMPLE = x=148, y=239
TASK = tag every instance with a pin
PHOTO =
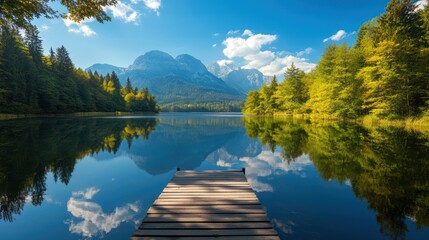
x=291, y=93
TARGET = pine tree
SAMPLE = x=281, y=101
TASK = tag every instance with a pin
x=291, y=93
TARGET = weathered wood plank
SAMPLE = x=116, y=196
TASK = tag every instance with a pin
x=210, y=238
x=201, y=190
x=205, y=232
x=205, y=210
x=200, y=225
x=207, y=201
x=181, y=202
x=207, y=205
x=206, y=218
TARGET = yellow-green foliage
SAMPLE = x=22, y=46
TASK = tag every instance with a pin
x=384, y=75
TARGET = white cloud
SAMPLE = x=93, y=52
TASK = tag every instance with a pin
x=232, y=32
x=224, y=62
x=279, y=65
x=305, y=52
x=241, y=47
x=214, y=45
x=124, y=12
x=80, y=28
x=94, y=220
x=153, y=5
x=215, y=34
x=337, y=36
x=247, y=32
x=421, y=4
x=250, y=48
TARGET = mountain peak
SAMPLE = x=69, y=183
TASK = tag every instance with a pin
x=152, y=58
x=191, y=63
x=104, y=69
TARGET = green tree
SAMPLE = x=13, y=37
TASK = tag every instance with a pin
x=395, y=75
x=21, y=13
x=252, y=104
x=291, y=93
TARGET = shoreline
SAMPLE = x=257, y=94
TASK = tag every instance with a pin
x=10, y=116
x=420, y=124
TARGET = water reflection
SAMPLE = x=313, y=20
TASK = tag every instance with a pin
x=184, y=143
x=388, y=167
x=31, y=149
x=95, y=222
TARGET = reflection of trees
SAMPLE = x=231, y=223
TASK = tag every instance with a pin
x=289, y=135
x=389, y=167
x=31, y=149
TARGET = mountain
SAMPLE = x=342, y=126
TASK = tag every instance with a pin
x=240, y=79
x=104, y=69
x=221, y=71
x=245, y=80
x=183, y=79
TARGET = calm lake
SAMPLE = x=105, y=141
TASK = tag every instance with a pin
x=95, y=177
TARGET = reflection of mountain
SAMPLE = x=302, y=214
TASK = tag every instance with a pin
x=184, y=143
x=389, y=167
x=29, y=149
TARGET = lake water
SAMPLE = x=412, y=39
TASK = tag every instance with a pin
x=90, y=178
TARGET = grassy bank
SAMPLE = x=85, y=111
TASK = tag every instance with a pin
x=420, y=124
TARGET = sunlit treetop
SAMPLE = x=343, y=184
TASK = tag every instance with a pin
x=19, y=14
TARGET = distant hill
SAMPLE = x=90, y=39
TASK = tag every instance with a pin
x=240, y=79
x=104, y=69
x=183, y=79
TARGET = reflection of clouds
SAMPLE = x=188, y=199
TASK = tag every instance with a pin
x=283, y=227
x=222, y=163
x=95, y=221
x=347, y=182
x=265, y=164
x=268, y=163
x=222, y=158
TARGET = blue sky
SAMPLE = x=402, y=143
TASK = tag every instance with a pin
x=263, y=34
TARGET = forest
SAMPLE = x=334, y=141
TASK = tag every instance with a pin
x=384, y=75
x=203, y=107
x=386, y=167
x=31, y=83
x=31, y=150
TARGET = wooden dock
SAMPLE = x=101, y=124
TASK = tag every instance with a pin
x=207, y=205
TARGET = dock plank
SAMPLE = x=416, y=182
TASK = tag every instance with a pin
x=206, y=205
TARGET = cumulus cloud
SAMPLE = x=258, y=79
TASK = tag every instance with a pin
x=421, y=4
x=95, y=222
x=241, y=47
x=80, y=28
x=214, y=45
x=153, y=5
x=224, y=62
x=215, y=34
x=341, y=34
x=305, y=52
x=250, y=48
x=247, y=32
x=124, y=12
x=279, y=64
